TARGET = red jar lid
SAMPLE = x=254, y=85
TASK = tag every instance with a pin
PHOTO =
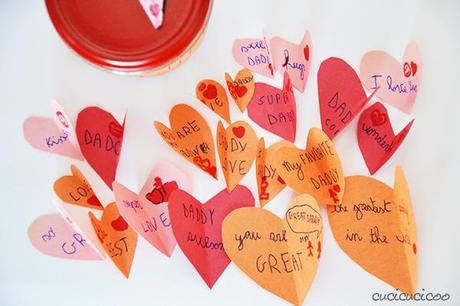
x=117, y=34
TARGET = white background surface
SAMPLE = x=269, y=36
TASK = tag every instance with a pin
x=36, y=66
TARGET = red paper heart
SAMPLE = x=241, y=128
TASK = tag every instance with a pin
x=378, y=118
x=239, y=131
x=341, y=95
x=413, y=67
x=210, y=92
x=197, y=228
x=306, y=53
x=241, y=91
x=274, y=109
x=378, y=142
x=100, y=137
x=119, y=224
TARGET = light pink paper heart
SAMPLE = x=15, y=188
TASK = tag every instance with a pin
x=43, y=134
x=53, y=236
x=399, y=81
x=148, y=212
x=295, y=59
x=253, y=54
x=274, y=109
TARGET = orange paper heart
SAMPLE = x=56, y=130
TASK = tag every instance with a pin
x=316, y=170
x=237, y=146
x=191, y=137
x=214, y=96
x=118, y=239
x=269, y=183
x=281, y=255
x=242, y=88
x=375, y=226
x=74, y=189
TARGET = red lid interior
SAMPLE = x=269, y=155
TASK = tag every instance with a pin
x=117, y=34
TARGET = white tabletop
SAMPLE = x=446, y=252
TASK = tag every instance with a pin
x=36, y=66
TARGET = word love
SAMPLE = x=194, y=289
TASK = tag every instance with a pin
x=237, y=146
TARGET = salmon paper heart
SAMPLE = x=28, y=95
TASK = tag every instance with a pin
x=237, y=146
x=316, y=170
x=214, y=96
x=375, y=226
x=341, y=95
x=269, y=182
x=197, y=228
x=281, y=255
x=75, y=189
x=53, y=236
x=274, y=109
x=376, y=137
x=118, y=239
x=242, y=88
x=100, y=137
x=147, y=212
x=191, y=137
x=253, y=54
x=399, y=81
x=292, y=58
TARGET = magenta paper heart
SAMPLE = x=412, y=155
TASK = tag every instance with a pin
x=275, y=109
x=100, y=137
x=253, y=54
x=399, y=82
x=341, y=95
x=376, y=138
x=43, y=134
x=53, y=236
x=197, y=228
x=148, y=212
x=295, y=59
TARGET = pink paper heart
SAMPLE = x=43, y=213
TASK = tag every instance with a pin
x=253, y=54
x=197, y=228
x=376, y=137
x=53, y=236
x=295, y=59
x=43, y=134
x=399, y=81
x=275, y=109
x=147, y=215
x=100, y=137
x=341, y=95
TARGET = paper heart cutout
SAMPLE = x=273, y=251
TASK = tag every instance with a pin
x=242, y=88
x=100, y=137
x=315, y=170
x=293, y=58
x=53, y=236
x=254, y=54
x=197, y=228
x=274, y=109
x=154, y=11
x=151, y=220
x=237, y=146
x=118, y=240
x=43, y=134
x=74, y=189
x=281, y=255
x=190, y=136
x=341, y=95
x=269, y=183
x=399, y=82
x=375, y=226
x=376, y=137
x=214, y=96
